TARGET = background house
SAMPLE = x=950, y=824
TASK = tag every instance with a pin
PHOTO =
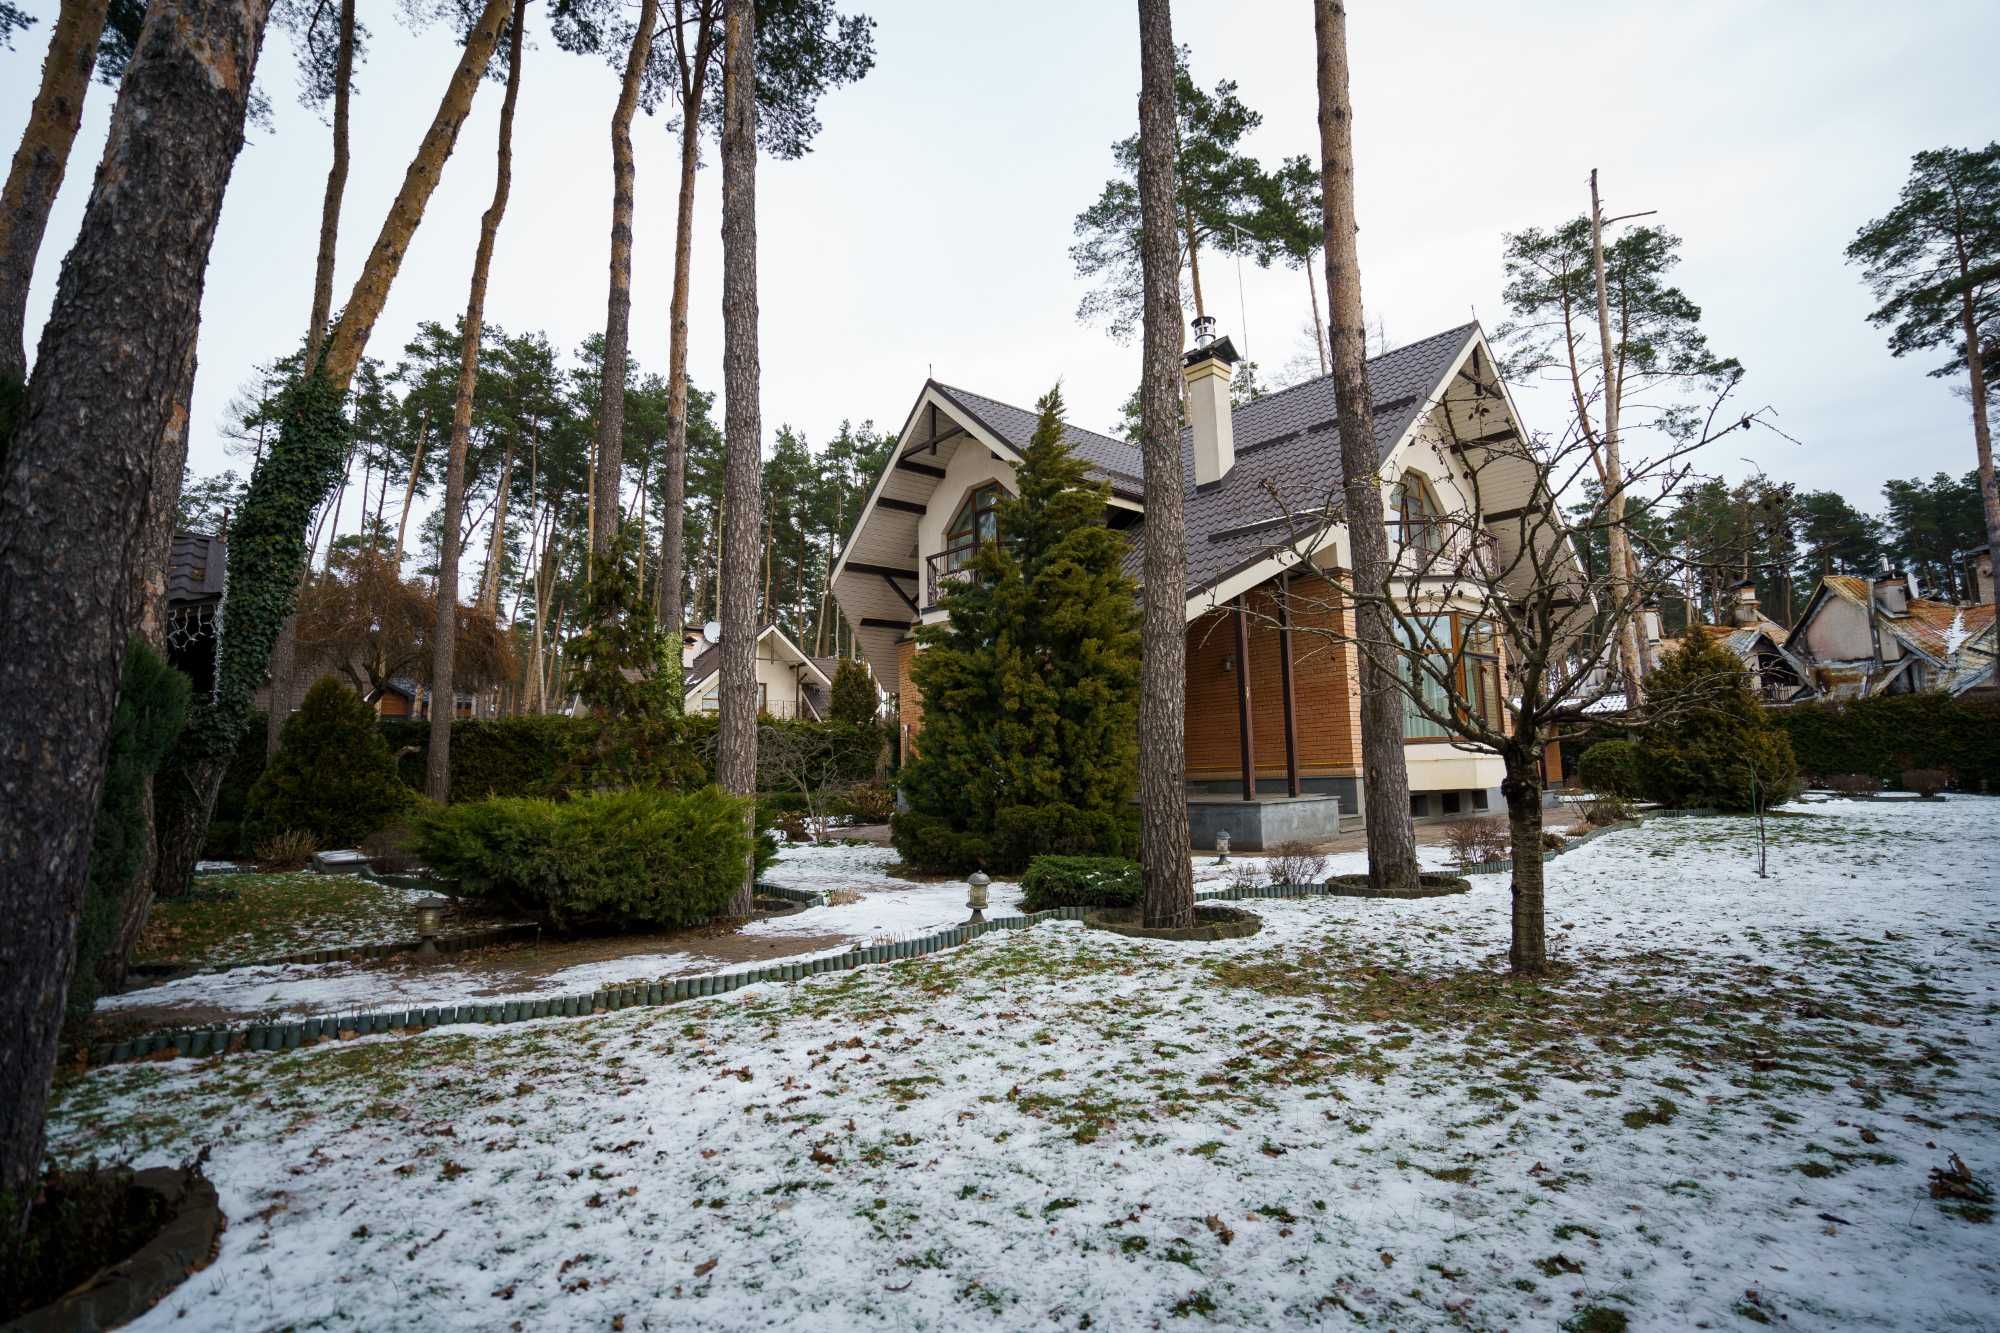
x=790, y=684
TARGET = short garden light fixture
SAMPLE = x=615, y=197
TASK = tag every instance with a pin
x=975, y=896
x=1222, y=847
x=430, y=921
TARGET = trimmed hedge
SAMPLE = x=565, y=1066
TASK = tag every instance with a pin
x=1081, y=881
x=1610, y=768
x=553, y=755
x=630, y=860
x=1884, y=736
x=1020, y=834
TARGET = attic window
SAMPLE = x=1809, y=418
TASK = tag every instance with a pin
x=976, y=522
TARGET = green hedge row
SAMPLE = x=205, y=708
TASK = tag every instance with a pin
x=1884, y=736
x=1081, y=881
x=1020, y=833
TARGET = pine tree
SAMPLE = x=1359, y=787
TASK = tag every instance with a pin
x=1031, y=687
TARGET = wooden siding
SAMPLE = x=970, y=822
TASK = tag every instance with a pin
x=1326, y=687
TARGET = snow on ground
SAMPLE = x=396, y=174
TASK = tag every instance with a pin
x=1721, y=1111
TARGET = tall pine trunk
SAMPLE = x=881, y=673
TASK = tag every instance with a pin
x=618, y=304
x=444, y=639
x=1163, y=814
x=1619, y=543
x=194, y=774
x=488, y=603
x=736, y=740
x=1385, y=776
x=103, y=416
x=37, y=172
x=673, y=499
x=410, y=490
x=1975, y=369
x=1528, y=948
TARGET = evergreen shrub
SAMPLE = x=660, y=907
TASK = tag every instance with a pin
x=1610, y=768
x=246, y=764
x=332, y=777
x=929, y=845
x=629, y=860
x=1711, y=738
x=1081, y=881
x=853, y=699
x=152, y=703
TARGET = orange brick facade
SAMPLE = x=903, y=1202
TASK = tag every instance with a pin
x=1325, y=678
x=910, y=704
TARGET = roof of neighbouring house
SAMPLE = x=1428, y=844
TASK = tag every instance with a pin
x=195, y=566
x=1287, y=470
x=1958, y=640
x=709, y=660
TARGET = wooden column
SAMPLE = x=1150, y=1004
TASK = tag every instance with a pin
x=1244, y=730
x=1292, y=785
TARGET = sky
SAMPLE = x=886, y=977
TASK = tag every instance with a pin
x=928, y=231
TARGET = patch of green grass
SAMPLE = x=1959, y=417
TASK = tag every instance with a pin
x=1595, y=1319
x=269, y=916
x=1661, y=1112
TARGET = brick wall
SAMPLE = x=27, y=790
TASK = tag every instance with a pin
x=1326, y=687
x=910, y=703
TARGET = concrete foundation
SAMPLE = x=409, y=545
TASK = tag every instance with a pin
x=1262, y=824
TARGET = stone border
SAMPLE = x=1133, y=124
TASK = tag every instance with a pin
x=1430, y=884
x=201, y=1043
x=1218, y=923
x=116, y=1295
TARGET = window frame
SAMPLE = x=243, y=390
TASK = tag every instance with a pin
x=1464, y=658
x=975, y=522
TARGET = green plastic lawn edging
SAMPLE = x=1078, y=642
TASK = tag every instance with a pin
x=1505, y=864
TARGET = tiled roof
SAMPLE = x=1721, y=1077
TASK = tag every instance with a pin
x=1286, y=442
x=195, y=567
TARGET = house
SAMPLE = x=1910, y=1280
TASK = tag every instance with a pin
x=790, y=683
x=1862, y=637
x=196, y=566
x=1776, y=674
x=1273, y=700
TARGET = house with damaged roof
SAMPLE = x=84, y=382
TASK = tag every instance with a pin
x=1273, y=678
x=1862, y=637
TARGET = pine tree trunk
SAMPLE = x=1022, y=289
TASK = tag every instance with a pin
x=1528, y=948
x=1392, y=841
x=410, y=491
x=673, y=500
x=736, y=740
x=336, y=189
x=1619, y=544
x=1982, y=429
x=444, y=639
x=488, y=603
x=103, y=416
x=618, y=311
x=1163, y=814
x=1194, y=270
x=37, y=171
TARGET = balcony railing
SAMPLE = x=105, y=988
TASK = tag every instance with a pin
x=1439, y=548
x=949, y=566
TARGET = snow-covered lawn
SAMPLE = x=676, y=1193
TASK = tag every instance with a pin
x=1721, y=1111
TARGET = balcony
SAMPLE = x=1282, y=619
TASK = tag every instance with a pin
x=951, y=565
x=1443, y=549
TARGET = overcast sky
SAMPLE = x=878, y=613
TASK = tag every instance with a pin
x=928, y=232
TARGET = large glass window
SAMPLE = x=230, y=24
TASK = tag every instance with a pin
x=976, y=522
x=1415, y=513
x=1444, y=653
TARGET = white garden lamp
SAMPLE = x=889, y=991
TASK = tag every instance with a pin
x=975, y=894
x=430, y=921
x=1222, y=847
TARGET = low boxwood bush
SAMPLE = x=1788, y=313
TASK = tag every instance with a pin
x=1610, y=768
x=929, y=845
x=1081, y=881
x=630, y=860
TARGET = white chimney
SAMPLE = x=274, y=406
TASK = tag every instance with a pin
x=1743, y=609
x=1206, y=371
x=1893, y=591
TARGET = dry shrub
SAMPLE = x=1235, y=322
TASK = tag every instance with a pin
x=1854, y=784
x=1926, y=781
x=291, y=850
x=1295, y=862
x=1605, y=811
x=1246, y=876
x=1473, y=841
x=871, y=802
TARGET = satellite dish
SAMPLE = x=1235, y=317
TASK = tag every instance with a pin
x=712, y=631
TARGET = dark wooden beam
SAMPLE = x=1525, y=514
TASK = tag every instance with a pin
x=877, y=622
x=1500, y=436
x=908, y=600
x=1243, y=729
x=901, y=506
x=1292, y=786
x=886, y=571
x=921, y=469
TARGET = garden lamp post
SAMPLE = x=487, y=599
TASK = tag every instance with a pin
x=975, y=896
x=1222, y=847
x=430, y=921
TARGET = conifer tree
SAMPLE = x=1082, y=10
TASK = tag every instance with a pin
x=333, y=775
x=1713, y=747
x=854, y=699
x=1031, y=687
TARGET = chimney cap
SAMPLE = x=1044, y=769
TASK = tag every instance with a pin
x=1741, y=584
x=1216, y=349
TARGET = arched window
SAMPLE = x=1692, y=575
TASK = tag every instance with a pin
x=975, y=522
x=1415, y=517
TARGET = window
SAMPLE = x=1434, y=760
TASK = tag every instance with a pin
x=1460, y=655
x=976, y=522
x=1451, y=802
x=1416, y=515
